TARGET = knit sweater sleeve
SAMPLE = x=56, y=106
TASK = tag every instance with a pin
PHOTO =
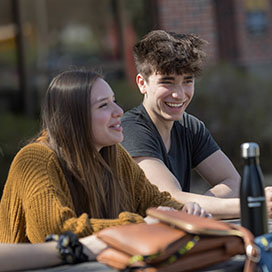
x=146, y=194
x=47, y=201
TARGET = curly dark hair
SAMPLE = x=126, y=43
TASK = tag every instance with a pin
x=168, y=52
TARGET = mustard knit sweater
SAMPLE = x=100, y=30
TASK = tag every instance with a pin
x=36, y=199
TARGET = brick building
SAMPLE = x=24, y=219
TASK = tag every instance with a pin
x=237, y=30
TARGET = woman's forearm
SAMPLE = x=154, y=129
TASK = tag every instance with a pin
x=16, y=257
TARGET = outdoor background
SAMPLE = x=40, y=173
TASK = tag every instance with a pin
x=40, y=38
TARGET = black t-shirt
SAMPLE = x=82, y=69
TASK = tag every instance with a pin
x=191, y=142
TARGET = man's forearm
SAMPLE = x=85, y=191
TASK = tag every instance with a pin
x=225, y=189
x=221, y=208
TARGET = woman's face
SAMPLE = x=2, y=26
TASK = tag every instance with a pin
x=106, y=115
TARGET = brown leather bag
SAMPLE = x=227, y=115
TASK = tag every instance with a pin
x=181, y=242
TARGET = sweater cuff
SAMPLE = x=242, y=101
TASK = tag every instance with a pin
x=176, y=204
x=123, y=219
x=128, y=217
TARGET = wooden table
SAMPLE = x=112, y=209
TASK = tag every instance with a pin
x=83, y=267
x=235, y=264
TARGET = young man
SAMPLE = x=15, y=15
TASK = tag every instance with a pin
x=167, y=142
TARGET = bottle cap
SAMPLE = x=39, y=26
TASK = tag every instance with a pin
x=250, y=150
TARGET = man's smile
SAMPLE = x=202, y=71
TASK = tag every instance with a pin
x=174, y=105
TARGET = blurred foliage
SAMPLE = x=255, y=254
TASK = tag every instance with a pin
x=235, y=106
x=7, y=55
x=127, y=95
x=16, y=130
x=140, y=16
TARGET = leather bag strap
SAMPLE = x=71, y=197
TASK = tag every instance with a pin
x=251, y=250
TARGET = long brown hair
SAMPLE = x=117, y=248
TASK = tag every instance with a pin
x=92, y=176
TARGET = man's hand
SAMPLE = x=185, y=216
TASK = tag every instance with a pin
x=151, y=220
x=268, y=196
x=194, y=209
x=189, y=207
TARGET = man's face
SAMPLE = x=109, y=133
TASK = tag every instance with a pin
x=167, y=96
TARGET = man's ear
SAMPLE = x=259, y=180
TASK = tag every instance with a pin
x=141, y=83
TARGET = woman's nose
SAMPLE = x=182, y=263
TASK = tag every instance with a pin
x=118, y=111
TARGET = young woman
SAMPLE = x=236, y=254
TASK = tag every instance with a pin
x=76, y=176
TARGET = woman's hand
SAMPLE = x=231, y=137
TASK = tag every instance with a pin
x=92, y=246
x=194, y=209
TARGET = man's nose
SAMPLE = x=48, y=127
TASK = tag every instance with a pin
x=178, y=92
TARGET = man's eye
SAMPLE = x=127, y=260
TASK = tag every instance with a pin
x=166, y=82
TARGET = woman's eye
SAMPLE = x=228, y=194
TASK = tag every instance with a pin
x=103, y=105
